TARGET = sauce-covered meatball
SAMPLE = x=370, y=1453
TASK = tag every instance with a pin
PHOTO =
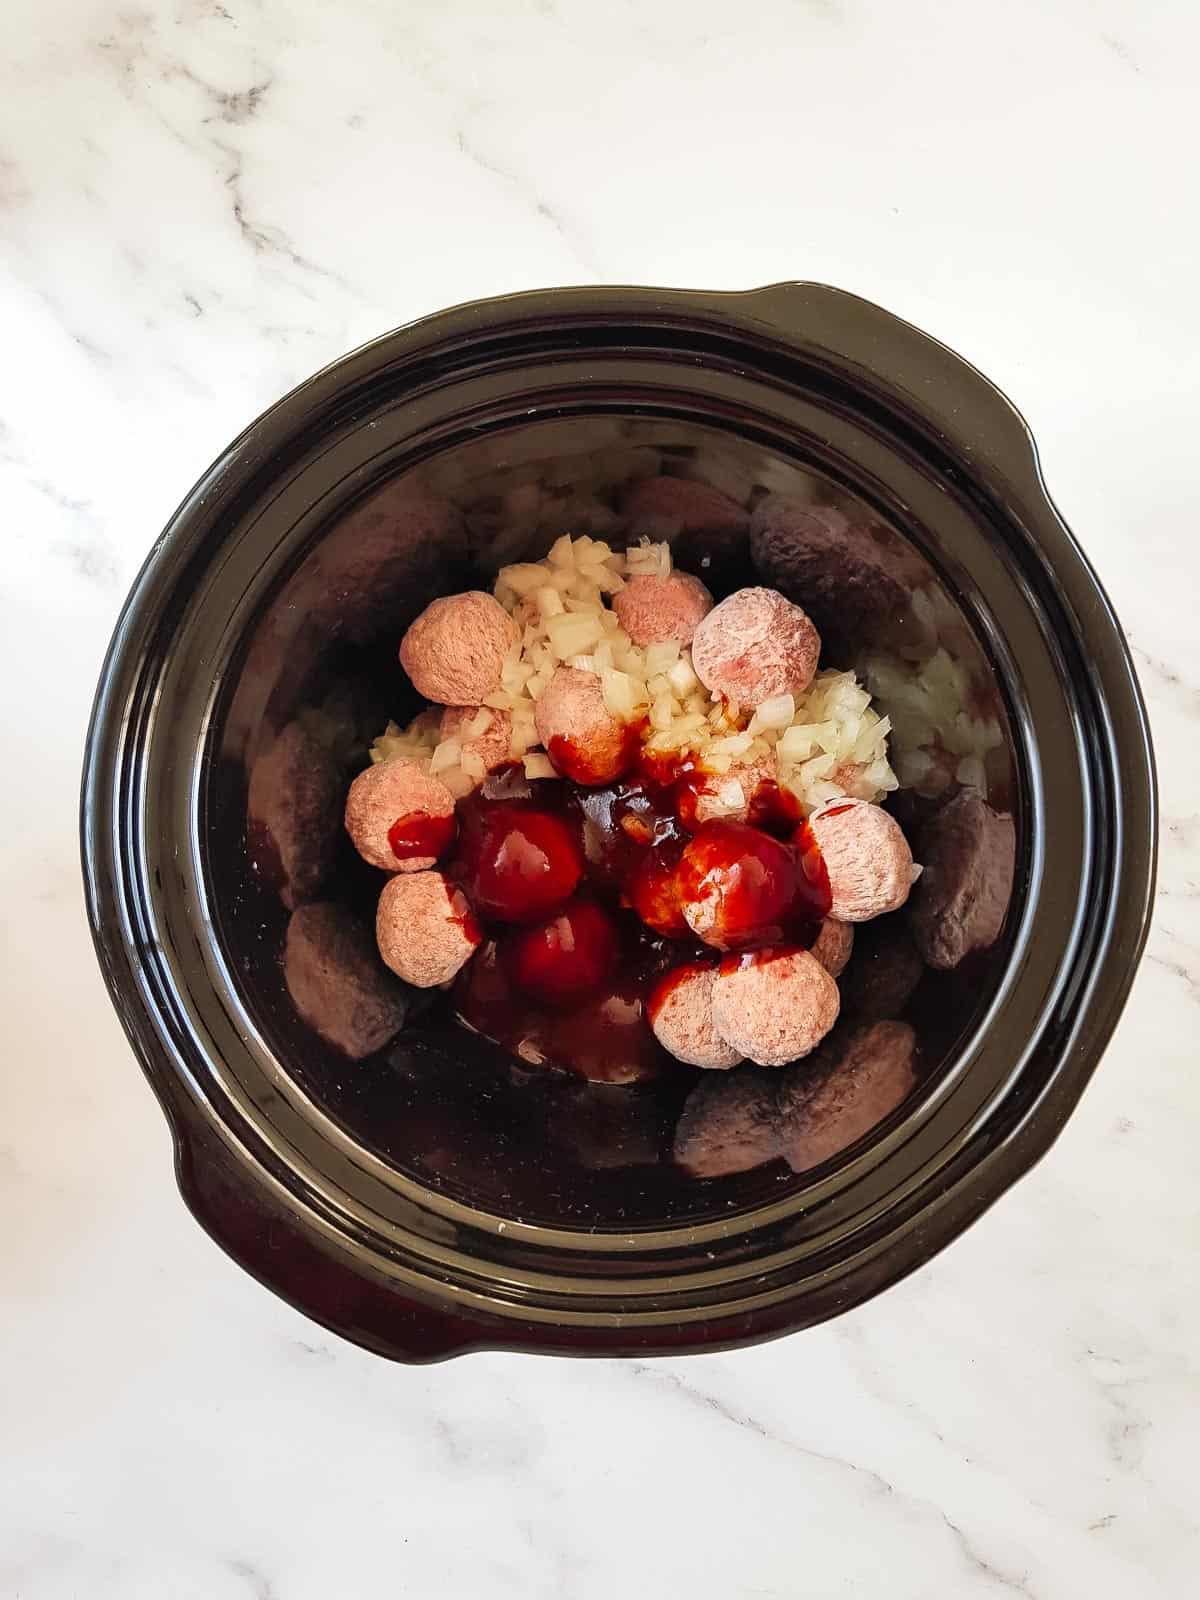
x=739, y=888
x=566, y=958
x=400, y=818
x=581, y=736
x=681, y=1014
x=515, y=862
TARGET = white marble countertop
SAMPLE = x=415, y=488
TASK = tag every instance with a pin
x=200, y=202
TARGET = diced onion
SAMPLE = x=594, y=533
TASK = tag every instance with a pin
x=446, y=755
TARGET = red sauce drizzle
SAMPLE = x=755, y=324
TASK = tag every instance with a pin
x=419, y=834
x=465, y=918
x=670, y=981
x=818, y=896
x=739, y=960
x=776, y=811
x=580, y=890
x=584, y=764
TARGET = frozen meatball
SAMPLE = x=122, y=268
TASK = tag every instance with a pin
x=364, y=575
x=755, y=645
x=400, y=818
x=663, y=508
x=970, y=854
x=729, y=1123
x=826, y=1107
x=337, y=982
x=774, y=1005
x=425, y=929
x=833, y=945
x=680, y=1012
x=492, y=742
x=292, y=808
x=851, y=576
x=655, y=610
x=454, y=652
x=867, y=858
x=580, y=734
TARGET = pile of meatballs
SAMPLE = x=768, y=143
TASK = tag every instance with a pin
x=701, y=905
x=771, y=917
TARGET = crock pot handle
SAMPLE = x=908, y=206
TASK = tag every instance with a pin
x=273, y=1246
x=931, y=383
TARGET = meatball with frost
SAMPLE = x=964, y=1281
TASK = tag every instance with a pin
x=580, y=734
x=292, y=814
x=665, y=507
x=833, y=946
x=425, y=928
x=775, y=1005
x=853, y=579
x=681, y=1014
x=971, y=854
x=825, y=1108
x=337, y=983
x=399, y=818
x=454, y=652
x=654, y=610
x=755, y=645
x=867, y=858
x=729, y=1124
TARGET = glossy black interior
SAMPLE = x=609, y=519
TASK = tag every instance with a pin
x=449, y=1109
x=431, y=1201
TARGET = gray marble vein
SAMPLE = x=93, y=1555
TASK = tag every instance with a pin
x=202, y=202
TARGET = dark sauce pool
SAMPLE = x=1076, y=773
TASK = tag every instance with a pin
x=580, y=894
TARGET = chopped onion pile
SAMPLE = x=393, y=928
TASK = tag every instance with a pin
x=938, y=738
x=825, y=743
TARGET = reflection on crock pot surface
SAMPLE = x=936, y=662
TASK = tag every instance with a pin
x=625, y=784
